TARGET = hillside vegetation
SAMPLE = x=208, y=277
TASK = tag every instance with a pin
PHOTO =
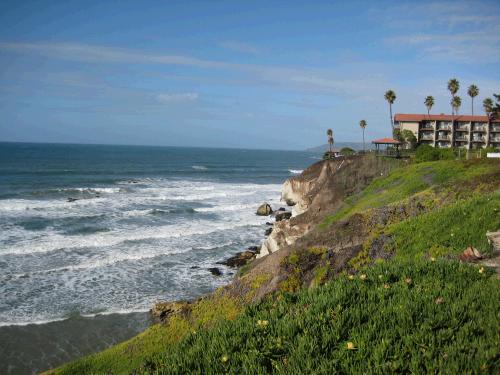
x=375, y=288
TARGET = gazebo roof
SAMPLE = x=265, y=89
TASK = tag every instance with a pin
x=386, y=141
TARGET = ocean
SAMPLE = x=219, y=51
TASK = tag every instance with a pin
x=91, y=236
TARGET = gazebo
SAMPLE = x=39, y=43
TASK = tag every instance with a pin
x=387, y=142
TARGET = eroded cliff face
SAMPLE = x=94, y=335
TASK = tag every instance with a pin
x=318, y=190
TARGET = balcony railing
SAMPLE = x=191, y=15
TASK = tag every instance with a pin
x=495, y=128
x=462, y=139
x=478, y=128
x=427, y=138
x=463, y=128
x=495, y=139
x=443, y=138
x=478, y=139
x=444, y=127
x=444, y=145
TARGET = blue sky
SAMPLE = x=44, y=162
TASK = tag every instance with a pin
x=255, y=74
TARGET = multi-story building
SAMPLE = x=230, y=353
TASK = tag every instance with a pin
x=437, y=130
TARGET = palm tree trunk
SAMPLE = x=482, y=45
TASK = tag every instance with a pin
x=363, y=140
x=452, y=126
x=390, y=113
x=472, y=106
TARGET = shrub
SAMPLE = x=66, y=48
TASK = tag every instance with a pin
x=347, y=151
x=428, y=153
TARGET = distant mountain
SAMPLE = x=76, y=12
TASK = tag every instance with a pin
x=340, y=145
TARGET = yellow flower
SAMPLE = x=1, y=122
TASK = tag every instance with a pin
x=380, y=277
x=386, y=286
x=224, y=358
x=351, y=277
x=481, y=270
x=362, y=277
x=408, y=280
x=350, y=346
x=433, y=259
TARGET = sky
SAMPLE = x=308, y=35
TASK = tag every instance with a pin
x=245, y=74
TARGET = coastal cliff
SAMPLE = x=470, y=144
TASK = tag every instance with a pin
x=370, y=237
x=318, y=190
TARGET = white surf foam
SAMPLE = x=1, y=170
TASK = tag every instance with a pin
x=199, y=167
x=57, y=241
x=295, y=171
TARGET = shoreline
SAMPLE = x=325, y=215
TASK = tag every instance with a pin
x=65, y=340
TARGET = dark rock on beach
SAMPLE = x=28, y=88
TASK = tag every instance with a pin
x=71, y=199
x=254, y=249
x=215, y=271
x=283, y=215
x=239, y=259
x=268, y=231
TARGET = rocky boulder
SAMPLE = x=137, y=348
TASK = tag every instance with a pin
x=239, y=259
x=283, y=215
x=470, y=254
x=163, y=310
x=264, y=209
x=215, y=271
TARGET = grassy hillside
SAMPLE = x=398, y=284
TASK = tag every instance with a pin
x=404, y=182
x=417, y=310
x=398, y=317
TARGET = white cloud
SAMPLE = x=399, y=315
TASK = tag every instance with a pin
x=302, y=79
x=462, y=31
x=176, y=98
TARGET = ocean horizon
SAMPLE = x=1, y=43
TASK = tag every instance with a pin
x=93, y=235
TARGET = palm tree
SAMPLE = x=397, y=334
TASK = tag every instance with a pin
x=429, y=102
x=362, y=123
x=329, y=133
x=488, y=106
x=473, y=91
x=496, y=108
x=456, y=102
x=390, y=96
x=453, y=87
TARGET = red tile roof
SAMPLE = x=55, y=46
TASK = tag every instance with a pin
x=417, y=117
x=386, y=141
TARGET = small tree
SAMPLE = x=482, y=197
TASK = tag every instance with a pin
x=406, y=137
x=363, y=124
x=347, y=151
